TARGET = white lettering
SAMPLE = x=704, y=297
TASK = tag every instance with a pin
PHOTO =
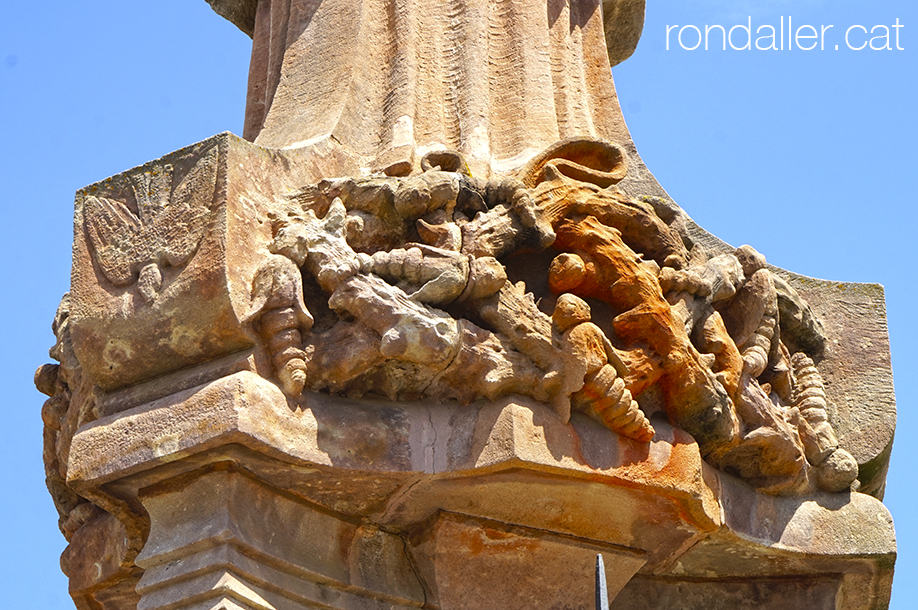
x=882, y=38
x=772, y=38
x=802, y=37
x=848, y=38
x=697, y=31
x=707, y=35
x=747, y=28
x=825, y=28
x=669, y=30
x=898, y=26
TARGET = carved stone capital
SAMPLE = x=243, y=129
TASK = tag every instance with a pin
x=227, y=300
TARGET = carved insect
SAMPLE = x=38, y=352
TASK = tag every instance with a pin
x=810, y=395
x=757, y=349
x=441, y=276
x=504, y=218
x=596, y=368
x=165, y=231
x=281, y=317
x=318, y=244
x=604, y=393
x=836, y=468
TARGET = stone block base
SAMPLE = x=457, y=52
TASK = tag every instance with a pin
x=240, y=499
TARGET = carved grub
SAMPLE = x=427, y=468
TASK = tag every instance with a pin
x=437, y=276
x=835, y=467
x=282, y=319
x=712, y=345
x=612, y=272
x=730, y=304
x=596, y=368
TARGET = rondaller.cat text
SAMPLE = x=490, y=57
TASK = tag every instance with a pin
x=787, y=35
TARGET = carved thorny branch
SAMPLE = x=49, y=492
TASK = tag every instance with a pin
x=702, y=331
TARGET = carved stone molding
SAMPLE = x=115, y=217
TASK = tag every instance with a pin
x=248, y=499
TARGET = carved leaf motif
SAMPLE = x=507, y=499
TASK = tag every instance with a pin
x=167, y=228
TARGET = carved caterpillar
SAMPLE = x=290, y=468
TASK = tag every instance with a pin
x=810, y=390
x=604, y=395
x=757, y=349
x=280, y=330
x=410, y=264
x=282, y=318
x=810, y=399
x=442, y=276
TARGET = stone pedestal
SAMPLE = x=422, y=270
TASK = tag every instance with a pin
x=256, y=503
x=402, y=353
x=220, y=536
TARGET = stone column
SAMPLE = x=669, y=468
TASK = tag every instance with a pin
x=298, y=377
x=223, y=537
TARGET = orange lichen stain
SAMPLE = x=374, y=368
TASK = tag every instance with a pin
x=497, y=535
x=679, y=482
x=481, y=540
x=345, y=536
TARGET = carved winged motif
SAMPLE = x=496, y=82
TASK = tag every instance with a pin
x=165, y=231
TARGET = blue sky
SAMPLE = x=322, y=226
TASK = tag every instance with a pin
x=809, y=157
